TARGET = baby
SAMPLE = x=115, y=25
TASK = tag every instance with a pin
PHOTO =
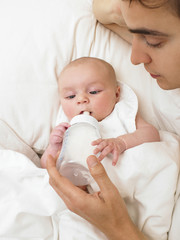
x=89, y=84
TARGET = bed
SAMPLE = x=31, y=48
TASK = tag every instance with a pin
x=38, y=38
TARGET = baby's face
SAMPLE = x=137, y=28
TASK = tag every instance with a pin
x=87, y=87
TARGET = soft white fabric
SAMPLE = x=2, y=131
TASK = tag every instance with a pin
x=166, y=105
x=174, y=232
x=77, y=228
x=38, y=38
x=30, y=209
x=9, y=140
x=27, y=202
x=122, y=119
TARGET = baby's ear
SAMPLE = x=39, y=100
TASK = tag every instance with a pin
x=117, y=93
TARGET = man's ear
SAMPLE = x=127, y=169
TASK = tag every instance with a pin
x=117, y=93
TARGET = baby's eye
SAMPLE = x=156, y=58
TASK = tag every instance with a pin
x=71, y=97
x=94, y=92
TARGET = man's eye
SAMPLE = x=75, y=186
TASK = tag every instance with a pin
x=71, y=96
x=153, y=42
x=94, y=92
x=153, y=45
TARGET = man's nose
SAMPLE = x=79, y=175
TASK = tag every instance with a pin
x=138, y=53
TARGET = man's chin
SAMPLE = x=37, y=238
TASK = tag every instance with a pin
x=165, y=85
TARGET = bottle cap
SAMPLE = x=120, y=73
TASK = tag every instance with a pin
x=86, y=118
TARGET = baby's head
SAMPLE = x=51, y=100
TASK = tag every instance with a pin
x=88, y=84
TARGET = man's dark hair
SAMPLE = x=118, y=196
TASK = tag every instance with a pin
x=173, y=4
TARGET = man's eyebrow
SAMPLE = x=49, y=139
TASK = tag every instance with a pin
x=145, y=31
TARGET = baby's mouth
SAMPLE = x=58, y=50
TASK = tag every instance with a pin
x=85, y=111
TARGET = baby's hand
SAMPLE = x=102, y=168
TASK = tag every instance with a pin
x=55, y=142
x=111, y=145
x=57, y=135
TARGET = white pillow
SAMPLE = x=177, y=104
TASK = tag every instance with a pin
x=37, y=39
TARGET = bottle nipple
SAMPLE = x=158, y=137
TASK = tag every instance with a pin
x=86, y=113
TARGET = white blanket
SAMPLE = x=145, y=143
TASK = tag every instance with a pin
x=30, y=209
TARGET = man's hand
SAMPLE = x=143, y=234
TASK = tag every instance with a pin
x=104, y=209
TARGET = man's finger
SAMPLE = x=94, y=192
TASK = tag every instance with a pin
x=99, y=174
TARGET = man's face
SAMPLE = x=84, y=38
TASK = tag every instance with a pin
x=156, y=41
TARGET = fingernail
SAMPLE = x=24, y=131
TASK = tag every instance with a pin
x=92, y=161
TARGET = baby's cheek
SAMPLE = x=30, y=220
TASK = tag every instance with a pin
x=69, y=111
x=104, y=110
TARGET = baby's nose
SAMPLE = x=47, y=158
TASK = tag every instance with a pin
x=82, y=99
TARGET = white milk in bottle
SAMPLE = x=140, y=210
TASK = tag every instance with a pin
x=77, y=147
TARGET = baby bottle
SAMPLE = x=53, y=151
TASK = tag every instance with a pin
x=77, y=147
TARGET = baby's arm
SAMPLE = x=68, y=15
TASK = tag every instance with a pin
x=55, y=142
x=145, y=132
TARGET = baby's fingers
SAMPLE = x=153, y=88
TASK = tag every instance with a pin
x=101, y=145
x=96, y=142
x=115, y=157
x=105, y=152
x=96, y=151
x=63, y=125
